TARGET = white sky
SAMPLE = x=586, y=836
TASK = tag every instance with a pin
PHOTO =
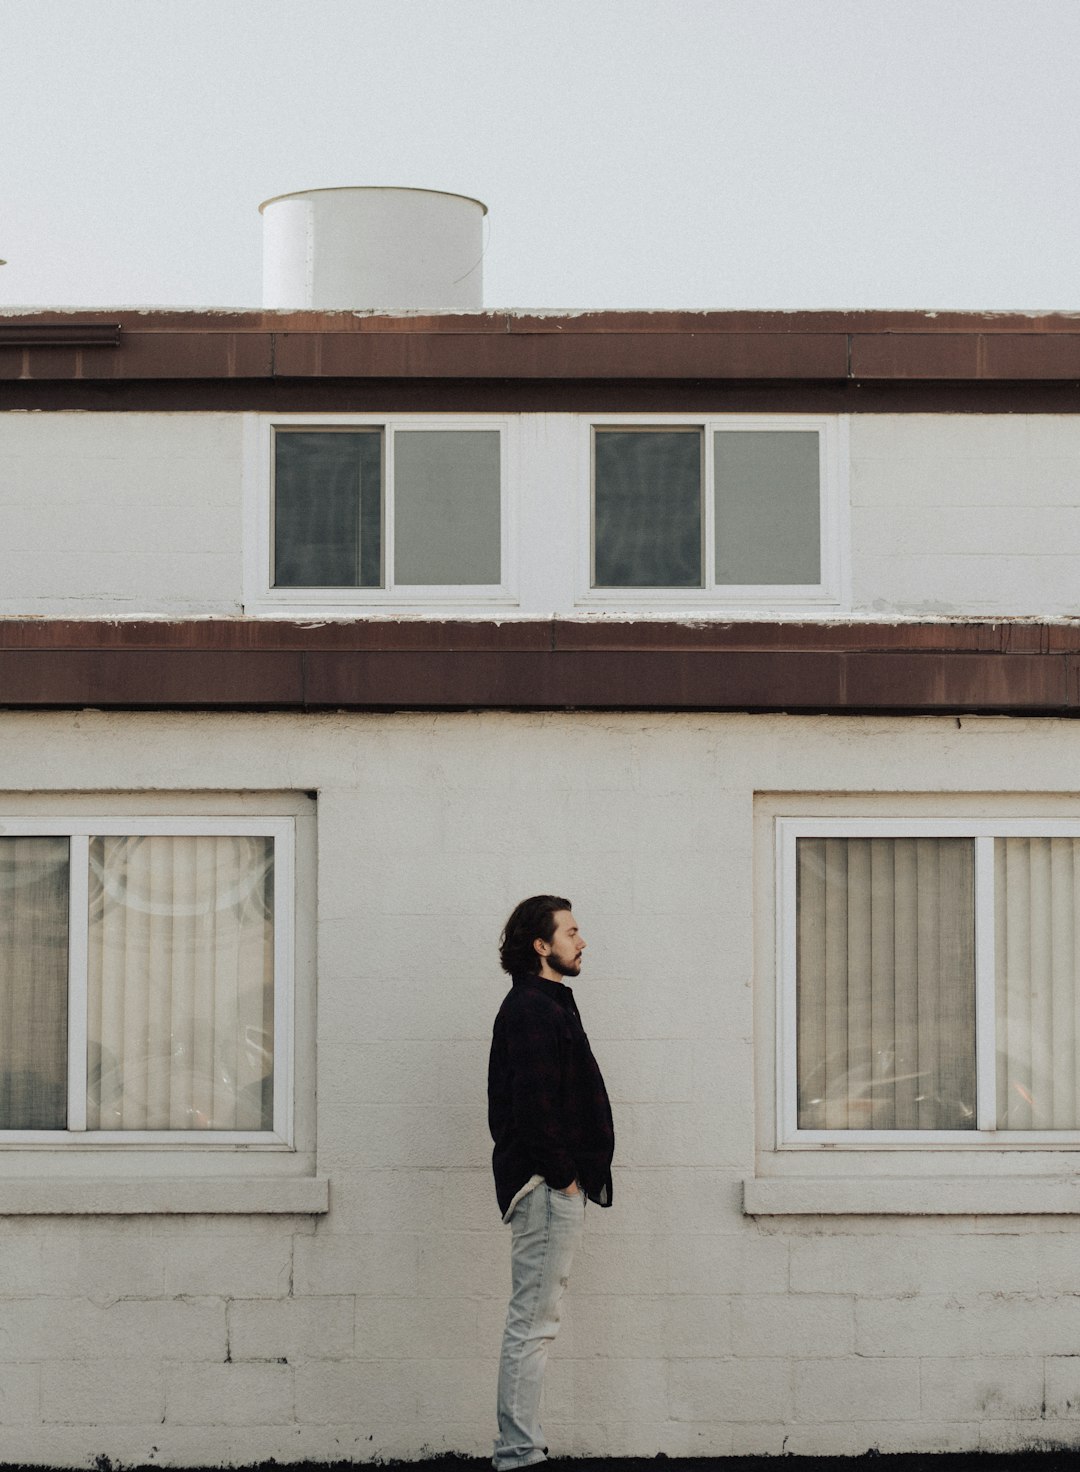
x=633, y=153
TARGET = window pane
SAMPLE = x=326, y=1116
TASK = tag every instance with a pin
x=328, y=508
x=767, y=506
x=1037, y=948
x=33, y=983
x=181, y=985
x=447, y=507
x=886, y=983
x=647, y=508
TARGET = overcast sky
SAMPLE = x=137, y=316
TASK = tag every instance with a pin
x=637, y=153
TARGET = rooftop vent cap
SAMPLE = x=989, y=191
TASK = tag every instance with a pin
x=385, y=250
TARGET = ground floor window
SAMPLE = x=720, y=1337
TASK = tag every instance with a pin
x=929, y=980
x=145, y=978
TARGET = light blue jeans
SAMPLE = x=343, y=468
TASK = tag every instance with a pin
x=546, y=1227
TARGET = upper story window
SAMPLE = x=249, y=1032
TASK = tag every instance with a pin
x=707, y=511
x=145, y=981
x=545, y=513
x=382, y=512
x=928, y=980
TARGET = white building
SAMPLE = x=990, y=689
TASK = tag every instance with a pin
x=326, y=637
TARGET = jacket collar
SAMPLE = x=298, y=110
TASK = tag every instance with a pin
x=558, y=991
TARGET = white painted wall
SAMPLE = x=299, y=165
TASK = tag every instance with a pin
x=122, y=514
x=691, y=1329
x=954, y=514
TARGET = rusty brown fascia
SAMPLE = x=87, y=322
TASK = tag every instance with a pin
x=237, y=664
x=600, y=361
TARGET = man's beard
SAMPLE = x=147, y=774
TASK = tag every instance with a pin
x=565, y=968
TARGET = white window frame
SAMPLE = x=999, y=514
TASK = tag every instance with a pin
x=833, y=589
x=260, y=596
x=80, y=829
x=983, y=832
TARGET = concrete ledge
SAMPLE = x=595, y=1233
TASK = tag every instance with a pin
x=900, y=1196
x=296, y=1196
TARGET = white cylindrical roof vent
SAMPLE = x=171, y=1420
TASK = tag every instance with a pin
x=388, y=250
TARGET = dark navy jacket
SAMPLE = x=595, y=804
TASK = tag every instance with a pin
x=548, y=1109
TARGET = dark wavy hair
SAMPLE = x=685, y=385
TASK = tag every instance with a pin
x=533, y=919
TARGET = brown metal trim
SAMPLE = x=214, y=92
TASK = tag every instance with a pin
x=918, y=669
x=562, y=323
x=804, y=353
x=202, y=679
x=963, y=356
x=59, y=334
x=516, y=396
x=575, y=355
x=241, y=635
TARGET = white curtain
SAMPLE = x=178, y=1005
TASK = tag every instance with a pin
x=180, y=983
x=1037, y=947
x=886, y=983
x=33, y=983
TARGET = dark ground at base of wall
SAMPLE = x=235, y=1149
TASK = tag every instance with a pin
x=1040, y=1459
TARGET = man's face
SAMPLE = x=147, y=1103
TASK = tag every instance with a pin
x=562, y=954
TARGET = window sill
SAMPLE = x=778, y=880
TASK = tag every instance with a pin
x=289, y=1196
x=867, y=1196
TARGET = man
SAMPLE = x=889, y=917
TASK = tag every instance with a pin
x=550, y=1119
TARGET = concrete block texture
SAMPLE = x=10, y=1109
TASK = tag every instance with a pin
x=235, y=1266
x=593, y=1390
x=102, y=1267
x=867, y=1390
x=1062, y=1386
x=997, y=1388
x=750, y=1262
x=459, y=1264
x=291, y=1328
x=229, y=1395
x=944, y=511
x=366, y=1394
x=121, y=513
x=786, y=1327
x=76, y=1329
x=105, y=1391
x=689, y=1328
x=398, y=1200
x=370, y=1262
x=960, y=1264
x=20, y=1395
x=419, y=1329
x=730, y=1390
x=981, y=1324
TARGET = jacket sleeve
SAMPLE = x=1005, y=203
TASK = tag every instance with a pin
x=536, y=1092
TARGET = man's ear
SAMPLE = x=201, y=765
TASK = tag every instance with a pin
x=540, y=946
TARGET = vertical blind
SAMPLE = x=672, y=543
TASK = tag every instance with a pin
x=1037, y=949
x=647, y=508
x=328, y=508
x=180, y=983
x=886, y=983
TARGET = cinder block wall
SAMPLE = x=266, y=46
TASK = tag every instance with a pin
x=959, y=514
x=116, y=514
x=121, y=513
x=372, y=1331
